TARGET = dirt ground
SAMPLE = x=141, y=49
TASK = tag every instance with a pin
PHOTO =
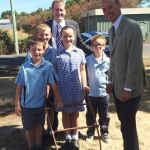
x=12, y=135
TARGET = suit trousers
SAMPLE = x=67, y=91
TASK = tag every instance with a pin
x=126, y=112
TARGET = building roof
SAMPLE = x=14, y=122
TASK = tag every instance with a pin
x=5, y=21
x=5, y=24
x=126, y=11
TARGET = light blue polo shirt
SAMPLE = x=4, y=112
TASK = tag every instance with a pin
x=97, y=75
x=33, y=80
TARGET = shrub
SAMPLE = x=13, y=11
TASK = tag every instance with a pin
x=6, y=43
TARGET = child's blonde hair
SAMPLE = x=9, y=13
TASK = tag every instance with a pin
x=98, y=37
x=42, y=27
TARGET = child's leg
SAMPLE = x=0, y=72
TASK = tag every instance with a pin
x=90, y=118
x=29, y=134
x=50, y=117
x=103, y=114
x=74, y=117
x=66, y=123
x=38, y=135
x=75, y=123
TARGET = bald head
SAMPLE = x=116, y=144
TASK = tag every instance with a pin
x=111, y=9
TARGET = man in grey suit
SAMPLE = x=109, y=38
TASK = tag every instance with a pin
x=59, y=12
x=126, y=70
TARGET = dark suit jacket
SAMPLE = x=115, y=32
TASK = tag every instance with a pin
x=126, y=64
x=78, y=40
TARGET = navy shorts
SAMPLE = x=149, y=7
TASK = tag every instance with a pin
x=32, y=117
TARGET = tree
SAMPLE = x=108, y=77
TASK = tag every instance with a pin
x=7, y=14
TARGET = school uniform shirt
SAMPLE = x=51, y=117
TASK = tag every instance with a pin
x=33, y=80
x=97, y=75
x=49, y=54
x=67, y=66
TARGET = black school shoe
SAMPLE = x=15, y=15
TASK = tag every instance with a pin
x=67, y=145
x=74, y=144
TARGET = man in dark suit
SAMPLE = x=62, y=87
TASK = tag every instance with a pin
x=126, y=70
x=59, y=12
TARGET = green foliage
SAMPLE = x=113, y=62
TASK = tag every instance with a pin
x=7, y=14
x=23, y=45
x=6, y=43
x=69, y=3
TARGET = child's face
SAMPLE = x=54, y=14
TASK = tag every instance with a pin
x=67, y=37
x=37, y=51
x=45, y=35
x=98, y=46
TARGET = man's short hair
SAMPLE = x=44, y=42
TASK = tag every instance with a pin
x=57, y=1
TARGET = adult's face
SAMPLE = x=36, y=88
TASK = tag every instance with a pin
x=111, y=10
x=59, y=11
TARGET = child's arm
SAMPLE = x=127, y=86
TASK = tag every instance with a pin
x=59, y=101
x=47, y=91
x=84, y=78
x=18, y=98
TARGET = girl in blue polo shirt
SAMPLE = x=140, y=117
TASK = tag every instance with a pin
x=97, y=69
x=32, y=80
x=70, y=67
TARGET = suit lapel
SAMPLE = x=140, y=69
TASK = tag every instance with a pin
x=118, y=34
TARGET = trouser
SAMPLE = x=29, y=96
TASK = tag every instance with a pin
x=126, y=112
x=100, y=107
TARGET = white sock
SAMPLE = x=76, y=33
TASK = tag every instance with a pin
x=68, y=137
x=74, y=136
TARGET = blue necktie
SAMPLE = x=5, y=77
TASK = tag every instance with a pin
x=58, y=36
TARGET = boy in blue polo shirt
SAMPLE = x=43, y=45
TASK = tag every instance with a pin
x=32, y=80
x=97, y=68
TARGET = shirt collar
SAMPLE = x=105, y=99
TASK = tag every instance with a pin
x=62, y=49
x=103, y=59
x=62, y=24
x=117, y=22
x=31, y=63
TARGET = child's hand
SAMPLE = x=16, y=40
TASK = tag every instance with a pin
x=18, y=110
x=59, y=103
x=109, y=88
x=86, y=89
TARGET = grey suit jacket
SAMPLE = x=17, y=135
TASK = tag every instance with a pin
x=78, y=40
x=126, y=64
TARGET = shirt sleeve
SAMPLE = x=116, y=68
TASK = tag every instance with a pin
x=20, y=77
x=83, y=59
x=53, y=78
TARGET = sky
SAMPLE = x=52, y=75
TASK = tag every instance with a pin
x=27, y=6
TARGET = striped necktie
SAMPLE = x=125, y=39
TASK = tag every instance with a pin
x=58, y=36
x=113, y=33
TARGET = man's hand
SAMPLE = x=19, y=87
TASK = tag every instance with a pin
x=109, y=88
x=126, y=95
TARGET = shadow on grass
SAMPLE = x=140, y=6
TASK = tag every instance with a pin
x=12, y=138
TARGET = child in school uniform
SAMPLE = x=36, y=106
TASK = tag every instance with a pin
x=97, y=69
x=43, y=31
x=32, y=80
x=69, y=63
